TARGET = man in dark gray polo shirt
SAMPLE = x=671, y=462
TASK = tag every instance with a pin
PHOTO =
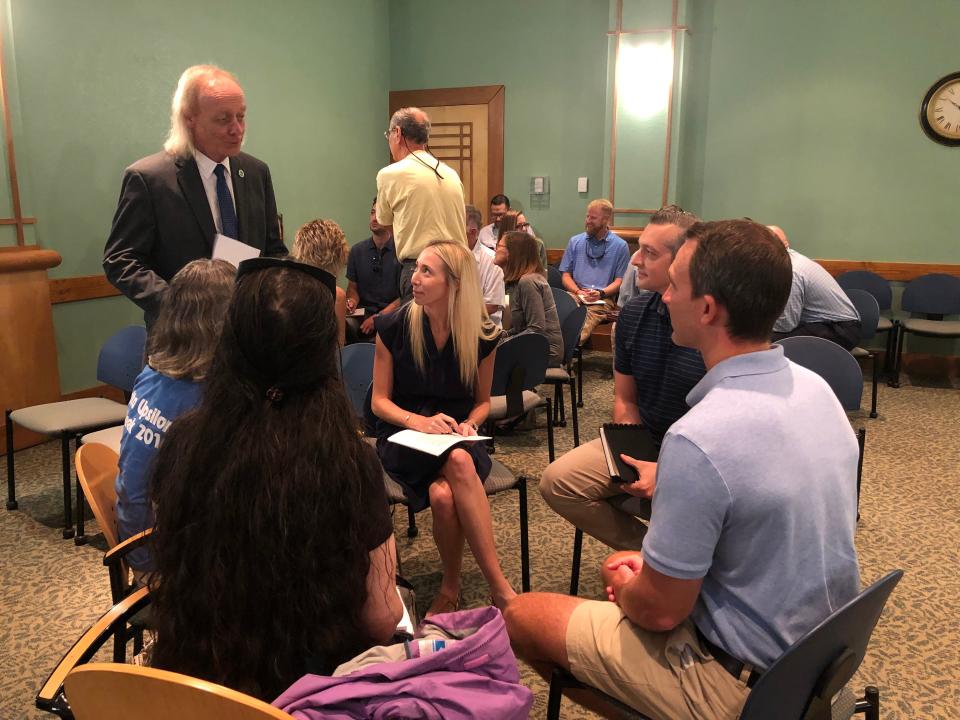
x=652, y=377
x=373, y=276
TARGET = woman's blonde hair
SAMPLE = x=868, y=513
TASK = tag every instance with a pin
x=323, y=244
x=523, y=256
x=466, y=311
x=192, y=312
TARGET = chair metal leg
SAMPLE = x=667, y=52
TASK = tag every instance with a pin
x=550, y=449
x=861, y=440
x=575, y=570
x=11, y=482
x=67, y=509
x=871, y=696
x=555, y=697
x=898, y=358
x=893, y=336
x=579, y=378
x=120, y=645
x=412, y=530
x=559, y=411
x=876, y=377
x=573, y=414
x=524, y=538
x=81, y=537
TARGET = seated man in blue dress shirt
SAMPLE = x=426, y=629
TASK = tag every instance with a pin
x=751, y=540
x=817, y=305
x=373, y=276
x=593, y=265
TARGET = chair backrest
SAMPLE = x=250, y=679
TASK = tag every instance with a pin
x=521, y=364
x=819, y=664
x=121, y=357
x=356, y=361
x=932, y=294
x=97, y=468
x=570, y=327
x=565, y=304
x=831, y=362
x=868, y=309
x=111, y=691
x=870, y=282
x=554, y=276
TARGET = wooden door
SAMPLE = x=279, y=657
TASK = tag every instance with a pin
x=467, y=134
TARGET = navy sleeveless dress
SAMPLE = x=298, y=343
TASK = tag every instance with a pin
x=439, y=390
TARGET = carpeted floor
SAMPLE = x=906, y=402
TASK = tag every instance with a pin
x=51, y=590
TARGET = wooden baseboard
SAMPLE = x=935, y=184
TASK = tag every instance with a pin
x=24, y=438
x=929, y=365
x=893, y=271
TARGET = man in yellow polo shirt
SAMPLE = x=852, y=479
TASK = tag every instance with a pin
x=421, y=197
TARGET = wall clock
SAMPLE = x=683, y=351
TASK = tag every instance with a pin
x=940, y=111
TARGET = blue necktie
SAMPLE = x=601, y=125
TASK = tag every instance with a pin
x=228, y=216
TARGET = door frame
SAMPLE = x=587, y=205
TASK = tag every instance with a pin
x=489, y=95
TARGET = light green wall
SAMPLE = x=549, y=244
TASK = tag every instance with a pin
x=551, y=56
x=807, y=117
x=94, y=81
x=799, y=113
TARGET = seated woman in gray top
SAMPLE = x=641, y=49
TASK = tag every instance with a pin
x=532, y=308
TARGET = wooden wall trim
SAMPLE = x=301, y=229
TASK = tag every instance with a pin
x=85, y=287
x=897, y=271
x=894, y=271
x=476, y=95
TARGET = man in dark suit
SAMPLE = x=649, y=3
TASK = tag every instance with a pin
x=174, y=204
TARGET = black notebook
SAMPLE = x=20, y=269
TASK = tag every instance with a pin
x=629, y=439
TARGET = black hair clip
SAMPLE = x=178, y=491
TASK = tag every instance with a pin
x=274, y=394
x=267, y=263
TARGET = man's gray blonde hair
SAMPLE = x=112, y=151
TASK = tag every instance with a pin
x=186, y=99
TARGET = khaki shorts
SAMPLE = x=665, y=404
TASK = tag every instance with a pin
x=664, y=675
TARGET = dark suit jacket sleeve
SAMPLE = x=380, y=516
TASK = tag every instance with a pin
x=130, y=244
x=274, y=244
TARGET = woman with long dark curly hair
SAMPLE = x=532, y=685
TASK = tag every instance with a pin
x=273, y=542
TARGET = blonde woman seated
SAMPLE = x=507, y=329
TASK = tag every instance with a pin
x=321, y=243
x=432, y=372
x=532, y=308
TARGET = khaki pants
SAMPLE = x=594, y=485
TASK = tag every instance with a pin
x=577, y=485
x=663, y=675
x=595, y=315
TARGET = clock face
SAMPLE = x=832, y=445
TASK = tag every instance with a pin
x=940, y=112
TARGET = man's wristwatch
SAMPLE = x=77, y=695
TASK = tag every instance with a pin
x=602, y=294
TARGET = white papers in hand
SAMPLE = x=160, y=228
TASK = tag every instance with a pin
x=233, y=251
x=584, y=301
x=359, y=312
x=406, y=624
x=429, y=443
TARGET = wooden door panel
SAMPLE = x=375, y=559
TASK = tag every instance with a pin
x=467, y=134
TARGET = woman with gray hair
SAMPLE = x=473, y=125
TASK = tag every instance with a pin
x=179, y=352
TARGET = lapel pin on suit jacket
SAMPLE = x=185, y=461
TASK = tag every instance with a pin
x=240, y=172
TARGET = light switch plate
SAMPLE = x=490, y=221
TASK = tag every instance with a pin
x=581, y=185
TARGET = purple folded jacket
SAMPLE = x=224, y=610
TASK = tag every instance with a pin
x=476, y=677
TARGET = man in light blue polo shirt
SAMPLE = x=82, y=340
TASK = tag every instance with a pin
x=593, y=265
x=750, y=543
